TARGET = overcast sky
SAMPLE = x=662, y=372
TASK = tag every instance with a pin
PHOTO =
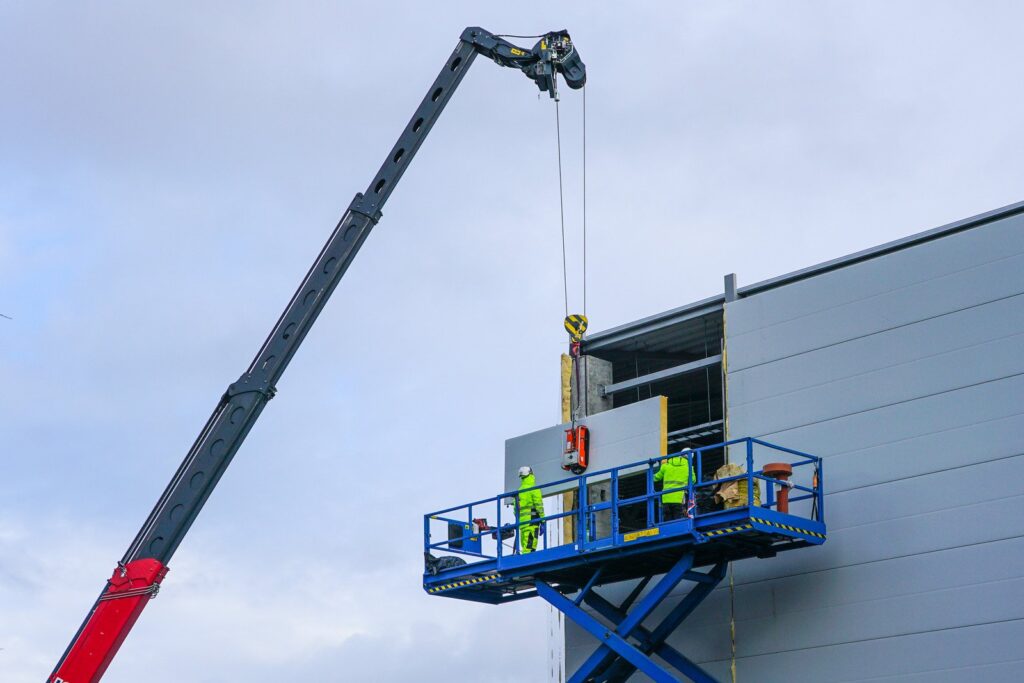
x=168, y=171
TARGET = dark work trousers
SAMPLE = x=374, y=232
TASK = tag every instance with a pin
x=671, y=511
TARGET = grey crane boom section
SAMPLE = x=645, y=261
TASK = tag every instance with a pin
x=145, y=562
x=244, y=400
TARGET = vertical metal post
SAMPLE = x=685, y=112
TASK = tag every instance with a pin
x=581, y=517
x=615, y=506
x=426, y=533
x=821, y=491
x=501, y=541
x=542, y=523
x=730, y=287
x=691, y=489
x=750, y=472
x=650, y=495
x=699, y=475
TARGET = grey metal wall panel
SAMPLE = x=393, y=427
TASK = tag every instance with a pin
x=933, y=653
x=858, y=603
x=871, y=581
x=992, y=520
x=949, y=449
x=928, y=376
x=928, y=493
x=924, y=262
x=906, y=372
x=954, y=655
x=805, y=606
x=959, y=290
x=902, y=421
x=961, y=329
x=617, y=437
x=895, y=384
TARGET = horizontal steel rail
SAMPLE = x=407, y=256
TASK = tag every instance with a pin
x=585, y=512
x=668, y=373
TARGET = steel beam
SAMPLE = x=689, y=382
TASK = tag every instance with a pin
x=695, y=428
x=609, y=389
x=630, y=331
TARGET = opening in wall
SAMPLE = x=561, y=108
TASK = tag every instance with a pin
x=681, y=360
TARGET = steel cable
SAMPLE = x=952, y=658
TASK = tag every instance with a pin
x=561, y=209
x=584, y=201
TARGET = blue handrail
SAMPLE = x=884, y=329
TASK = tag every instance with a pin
x=585, y=513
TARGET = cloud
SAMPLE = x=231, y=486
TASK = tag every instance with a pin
x=169, y=174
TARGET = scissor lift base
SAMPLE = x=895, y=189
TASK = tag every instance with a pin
x=617, y=657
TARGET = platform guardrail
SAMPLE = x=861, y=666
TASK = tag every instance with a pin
x=604, y=523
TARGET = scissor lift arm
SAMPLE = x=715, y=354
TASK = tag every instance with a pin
x=138, y=575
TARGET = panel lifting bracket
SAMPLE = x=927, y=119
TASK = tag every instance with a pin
x=617, y=658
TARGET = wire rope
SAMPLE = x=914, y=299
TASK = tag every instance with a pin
x=561, y=208
x=584, y=201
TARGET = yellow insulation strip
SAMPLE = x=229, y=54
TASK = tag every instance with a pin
x=725, y=433
x=566, y=388
x=664, y=425
x=569, y=523
x=569, y=497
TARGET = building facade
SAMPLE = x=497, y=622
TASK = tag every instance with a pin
x=903, y=367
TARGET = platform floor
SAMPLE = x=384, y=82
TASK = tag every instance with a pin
x=729, y=535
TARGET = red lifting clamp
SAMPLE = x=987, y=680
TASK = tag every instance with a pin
x=577, y=449
x=577, y=438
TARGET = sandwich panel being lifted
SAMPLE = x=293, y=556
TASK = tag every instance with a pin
x=617, y=437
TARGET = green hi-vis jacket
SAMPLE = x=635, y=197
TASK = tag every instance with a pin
x=673, y=473
x=529, y=500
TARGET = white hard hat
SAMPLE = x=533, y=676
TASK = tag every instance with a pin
x=524, y=472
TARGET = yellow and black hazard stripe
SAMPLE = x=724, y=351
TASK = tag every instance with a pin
x=575, y=325
x=728, y=530
x=461, y=584
x=787, y=527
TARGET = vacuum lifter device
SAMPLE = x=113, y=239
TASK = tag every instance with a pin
x=139, y=573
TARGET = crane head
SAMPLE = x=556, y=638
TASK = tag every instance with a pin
x=553, y=54
x=556, y=54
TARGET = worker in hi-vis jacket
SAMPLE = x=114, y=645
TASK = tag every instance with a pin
x=531, y=506
x=673, y=473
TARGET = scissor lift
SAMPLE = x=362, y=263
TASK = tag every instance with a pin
x=624, y=538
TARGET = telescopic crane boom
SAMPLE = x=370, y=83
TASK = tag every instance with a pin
x=139, y=573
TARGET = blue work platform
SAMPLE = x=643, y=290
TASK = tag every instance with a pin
x=617, y=534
